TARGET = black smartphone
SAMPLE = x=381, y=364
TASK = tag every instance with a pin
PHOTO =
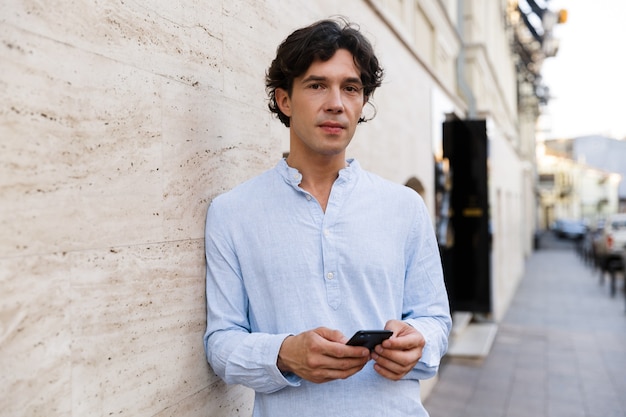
x=369, y=338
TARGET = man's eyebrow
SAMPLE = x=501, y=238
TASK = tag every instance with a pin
x=355, y=80
x=313, y=78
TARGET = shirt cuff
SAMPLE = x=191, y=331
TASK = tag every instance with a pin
x=287, y=378
x=433, y=350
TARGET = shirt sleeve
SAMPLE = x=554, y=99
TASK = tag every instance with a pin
x=236, y=354
x=426, y=306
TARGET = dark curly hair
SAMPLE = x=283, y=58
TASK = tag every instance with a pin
x=320, y=41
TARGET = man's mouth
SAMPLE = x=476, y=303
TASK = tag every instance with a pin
x=331, y=127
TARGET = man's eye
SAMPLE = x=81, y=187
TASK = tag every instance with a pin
x=353, y=89
x=315, y=86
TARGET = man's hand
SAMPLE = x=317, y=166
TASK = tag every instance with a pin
x=400, y=353
x=321, y=355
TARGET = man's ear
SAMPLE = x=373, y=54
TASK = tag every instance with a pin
x=283, y=101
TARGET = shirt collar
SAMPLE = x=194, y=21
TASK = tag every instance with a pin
x=294, y=177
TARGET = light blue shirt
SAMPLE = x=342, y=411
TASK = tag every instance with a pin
x=278, y=265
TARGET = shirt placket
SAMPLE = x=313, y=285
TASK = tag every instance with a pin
x=330, y=250
x=331, y=275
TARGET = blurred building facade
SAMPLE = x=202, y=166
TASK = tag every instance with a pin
x=123, y=120
x=608, y=154
x=581, y=179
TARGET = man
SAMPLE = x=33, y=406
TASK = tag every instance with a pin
x=304, y=255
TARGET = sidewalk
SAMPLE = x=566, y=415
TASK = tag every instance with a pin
x=560, y=350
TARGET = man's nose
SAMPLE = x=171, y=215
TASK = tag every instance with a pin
x=334, y=101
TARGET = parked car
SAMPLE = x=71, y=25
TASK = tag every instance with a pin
x=570, y=229
x=594, y=233
x=587, y=243
x=611, y=243
x=624, y=258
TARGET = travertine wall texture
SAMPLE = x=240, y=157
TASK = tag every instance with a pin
x=120, y=121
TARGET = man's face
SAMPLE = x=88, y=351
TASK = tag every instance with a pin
x=325, y=106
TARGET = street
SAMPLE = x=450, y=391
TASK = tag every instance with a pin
x=560, y=350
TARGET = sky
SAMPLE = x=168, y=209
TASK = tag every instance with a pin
x=587, y=77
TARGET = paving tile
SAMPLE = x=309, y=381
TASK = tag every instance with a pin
x=560, y=350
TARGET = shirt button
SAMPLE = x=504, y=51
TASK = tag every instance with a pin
x=326, y=232
x=308, y=197
x=330, y=275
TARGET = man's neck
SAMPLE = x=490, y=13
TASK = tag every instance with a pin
x=318, y=174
